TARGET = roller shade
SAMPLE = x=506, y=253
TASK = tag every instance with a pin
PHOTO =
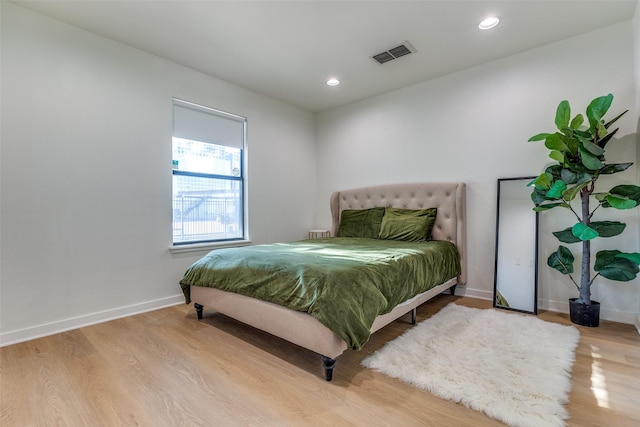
x=197, y=123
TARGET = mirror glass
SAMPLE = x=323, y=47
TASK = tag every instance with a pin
x=516, y=262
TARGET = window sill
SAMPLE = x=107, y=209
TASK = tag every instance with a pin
x=196, y=247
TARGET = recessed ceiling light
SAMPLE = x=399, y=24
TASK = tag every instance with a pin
x=333, y=82
x=489, y=23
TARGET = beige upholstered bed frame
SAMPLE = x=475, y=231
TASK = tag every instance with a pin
x=304, y=330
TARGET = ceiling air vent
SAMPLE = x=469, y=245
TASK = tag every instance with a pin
x=393, y=53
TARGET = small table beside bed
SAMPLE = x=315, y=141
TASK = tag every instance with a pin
x=396, y=247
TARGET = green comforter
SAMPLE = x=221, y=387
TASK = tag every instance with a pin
x=343, y=282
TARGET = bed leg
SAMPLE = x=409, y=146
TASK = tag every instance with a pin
x=199, y=309
x=452, y=290
x=414, y=314
x=328, y=364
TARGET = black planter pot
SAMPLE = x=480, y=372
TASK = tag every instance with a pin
x=583, y=314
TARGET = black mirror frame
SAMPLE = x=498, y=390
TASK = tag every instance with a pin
x=495, y=276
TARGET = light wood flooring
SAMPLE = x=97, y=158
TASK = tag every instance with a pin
x=166, y=368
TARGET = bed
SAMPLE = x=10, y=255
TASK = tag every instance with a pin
x=314, y=325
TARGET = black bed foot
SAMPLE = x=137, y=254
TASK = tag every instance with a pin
x=414, y=314
x=199, y=309
x=452, y=290
x=328, y=364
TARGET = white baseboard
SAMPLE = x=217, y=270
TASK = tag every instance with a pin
x=26, y=334
x=561, y=307
x=605, y=314
x=38, y=331
x=465, y=291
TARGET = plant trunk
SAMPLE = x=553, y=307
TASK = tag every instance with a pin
x=585, y=269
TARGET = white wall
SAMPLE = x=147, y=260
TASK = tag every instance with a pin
x=86, y=174
x=473, y=126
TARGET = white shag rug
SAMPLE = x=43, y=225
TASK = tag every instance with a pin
x=514, y=368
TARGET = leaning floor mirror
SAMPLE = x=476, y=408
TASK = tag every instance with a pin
x=516, y=261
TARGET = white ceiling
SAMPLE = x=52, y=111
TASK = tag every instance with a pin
x=288, y=49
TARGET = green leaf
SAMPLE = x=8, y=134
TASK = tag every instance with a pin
x=544, y=181
x=633, y=257
x=572, y=192
x=541, y=208
x=555, y=142
x=601, y=131
x=592, y=148
x=597, y=109
x=568, y=176
x=620, y=203
x=601, y=105
x=566, y=236
x=538, y=196
x=557, y=156
x=561, y=260
x=621, y=195
x=572, y=144
x=600, y=196
x=614, y=168
x=590, y=161
x=540, y=199
x=576, y=122
x=554, y=171
x=555, y=192
x=605, y=257
x=563, y=115
x=584, y=232
x=614, y=267
x=539, y=137
x=583, y=134
x=608, y=228
x=628, y=191
x=573, y=177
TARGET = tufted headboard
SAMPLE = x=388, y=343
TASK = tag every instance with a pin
x=449, y=198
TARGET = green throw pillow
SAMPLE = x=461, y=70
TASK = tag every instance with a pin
x=412, y=225
x=360, y=223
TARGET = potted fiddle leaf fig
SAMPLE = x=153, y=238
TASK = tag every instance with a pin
x=578, y=149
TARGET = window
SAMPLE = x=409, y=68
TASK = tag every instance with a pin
x=208, y=174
